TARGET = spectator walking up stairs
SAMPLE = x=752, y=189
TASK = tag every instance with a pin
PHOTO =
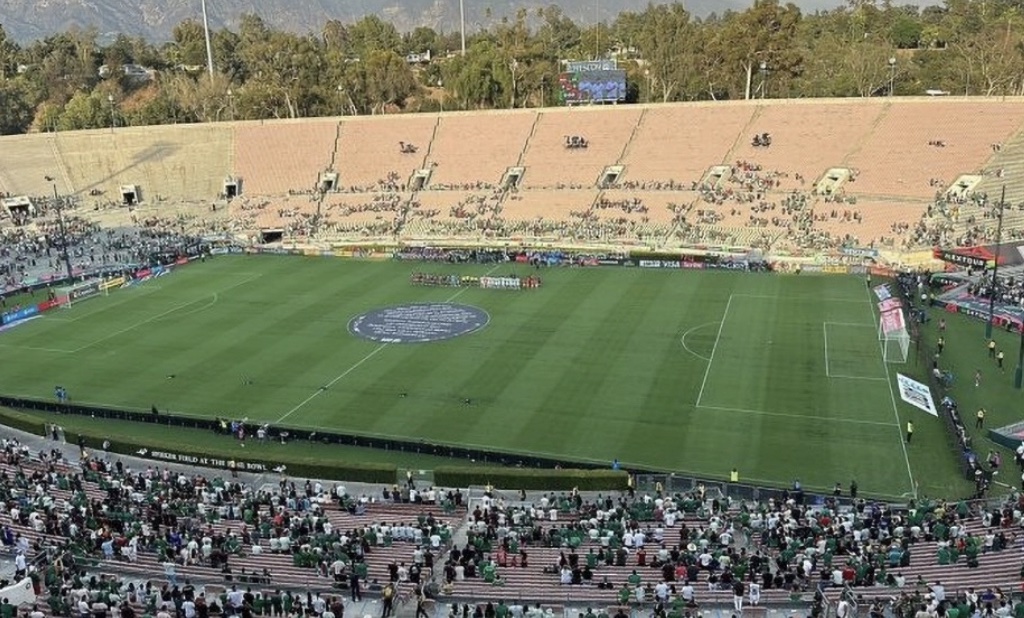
x=1006, y=167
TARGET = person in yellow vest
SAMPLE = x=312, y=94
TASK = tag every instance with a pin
x=992, y=348
x=910, y=431
x=734, y=476
x=980, y=416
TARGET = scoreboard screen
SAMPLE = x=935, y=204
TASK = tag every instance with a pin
x=592, y=82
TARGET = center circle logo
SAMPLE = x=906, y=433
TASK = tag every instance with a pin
x=418, y=322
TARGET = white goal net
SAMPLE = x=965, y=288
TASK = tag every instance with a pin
x=894, y=336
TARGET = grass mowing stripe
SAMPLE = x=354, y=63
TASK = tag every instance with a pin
x=157, y=317
x=714, y=348
x=892, y=397
x=824, y=419
x=524, y=365
x=644, y=341
x=359, y=363
x=589, y=367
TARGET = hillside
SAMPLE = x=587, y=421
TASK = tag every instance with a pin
x=26, y=20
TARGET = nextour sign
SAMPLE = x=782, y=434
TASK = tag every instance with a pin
x=970, y=261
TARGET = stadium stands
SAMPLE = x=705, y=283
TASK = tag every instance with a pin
x=188, y=162
x=450, y=214
x=356, y=215
x=296, y=535
x=679, y=143
x=30, y=165
x=473, y=150
x=551, y=164
x=806, y=141
x=547, y=214
x=274, y=158
x=370, y=149
x=913, y=142
x=442, y=174
x=867, y=221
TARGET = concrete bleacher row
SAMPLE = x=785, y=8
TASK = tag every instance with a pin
x=285, y=574
x=999, y=569
x=888, y=145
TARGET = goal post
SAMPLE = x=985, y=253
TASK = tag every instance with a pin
x=894, y=336
x=81, y=291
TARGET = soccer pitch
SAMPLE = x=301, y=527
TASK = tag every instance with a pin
x=697, y=372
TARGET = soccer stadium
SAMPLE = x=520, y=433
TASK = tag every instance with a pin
x=605, y=360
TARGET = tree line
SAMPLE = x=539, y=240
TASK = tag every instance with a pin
x=773, y=50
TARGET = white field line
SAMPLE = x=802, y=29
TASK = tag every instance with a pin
x=158, y=316
x=714, y=348
x=828, y=373
x=824, y=329
x=852, y=301
x=691, y=331
x=374, y=352
x=129, y=295
x=829, y=419
x=892, y=397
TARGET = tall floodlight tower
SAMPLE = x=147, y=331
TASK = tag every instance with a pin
x=462, y=24
x=209, y=48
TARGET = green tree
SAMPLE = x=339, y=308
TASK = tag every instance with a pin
x=188, y=47
x=17, y=106
x=371, y=34
x=992, y=58
x=763, y=35
x=478, y=79
x=422, y=39
x=665, y=40
x=153, y=104
x=8, y=55
x=386, y=80
x=87, y=110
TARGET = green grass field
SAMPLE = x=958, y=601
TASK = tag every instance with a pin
x=779, y=376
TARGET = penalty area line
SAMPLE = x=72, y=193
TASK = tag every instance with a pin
x=374, y=352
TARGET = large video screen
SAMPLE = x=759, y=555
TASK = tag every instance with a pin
x=592, y=86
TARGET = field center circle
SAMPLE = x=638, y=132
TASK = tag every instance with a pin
x=418, y=322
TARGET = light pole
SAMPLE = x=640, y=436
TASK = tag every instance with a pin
x=764, y=78
x=995, y=268
x=58, y=203
x=462, y=24
x=113, y=121
x=440, y=86
x=231, y=104
x=892, y=73
x=209, y=48
x=647, y=74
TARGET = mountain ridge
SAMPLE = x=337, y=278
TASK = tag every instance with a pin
x=27, y=20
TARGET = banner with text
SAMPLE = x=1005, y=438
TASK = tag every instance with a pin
x=916, y=394
x=893, y=322
x=960, y=259
x=889, y=304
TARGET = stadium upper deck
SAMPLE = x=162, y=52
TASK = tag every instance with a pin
x=893, y=173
